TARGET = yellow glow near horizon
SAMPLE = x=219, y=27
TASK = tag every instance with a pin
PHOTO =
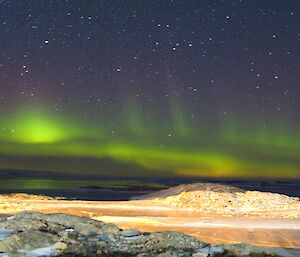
x=36, y=127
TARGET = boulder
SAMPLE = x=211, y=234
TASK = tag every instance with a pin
x=27, y=241
x=248, y=250
x=130, y=233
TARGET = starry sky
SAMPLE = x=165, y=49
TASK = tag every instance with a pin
x=151, y=88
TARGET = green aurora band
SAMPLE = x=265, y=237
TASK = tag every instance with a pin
x=226, y=151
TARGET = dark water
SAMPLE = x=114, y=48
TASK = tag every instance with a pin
x=122, y=189
x=89, y=189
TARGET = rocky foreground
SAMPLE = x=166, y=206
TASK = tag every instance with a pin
x=36, y=234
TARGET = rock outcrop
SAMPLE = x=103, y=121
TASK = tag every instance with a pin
x=36, y=234
x=227, y=200
x=249, y=202
x=23, y=196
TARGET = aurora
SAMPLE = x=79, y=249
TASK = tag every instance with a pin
x=229, y=152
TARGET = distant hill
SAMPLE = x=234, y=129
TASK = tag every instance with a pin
x=188, y=188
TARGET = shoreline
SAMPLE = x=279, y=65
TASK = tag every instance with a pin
x=154, y=215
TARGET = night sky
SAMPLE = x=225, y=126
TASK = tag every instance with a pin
x=151, y=88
